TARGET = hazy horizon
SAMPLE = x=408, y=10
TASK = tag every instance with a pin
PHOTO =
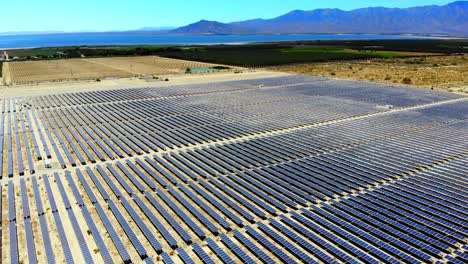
x=121, y=15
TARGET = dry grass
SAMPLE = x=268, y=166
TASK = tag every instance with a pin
x=440, y=72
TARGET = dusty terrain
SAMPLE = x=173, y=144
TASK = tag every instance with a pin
x=25, y=72
x=150, y=65
x=59, y=70
x=438, y=72
x=117, y=83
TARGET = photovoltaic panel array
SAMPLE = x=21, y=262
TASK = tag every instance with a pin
x=288, y=169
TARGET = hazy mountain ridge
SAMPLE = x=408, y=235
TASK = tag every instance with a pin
x=447, y=19
x=211, y=27
x=450, y=19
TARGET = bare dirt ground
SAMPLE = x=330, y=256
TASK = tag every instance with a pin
x=150, y=65
x=81, y=86
x=31, y=72
x=438, y=72
x=59, y=70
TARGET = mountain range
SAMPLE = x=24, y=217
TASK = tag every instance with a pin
x=451, y=19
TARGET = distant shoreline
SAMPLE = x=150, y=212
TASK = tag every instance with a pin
x=166, y=33
x=142, y=39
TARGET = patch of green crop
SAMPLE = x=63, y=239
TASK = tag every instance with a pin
x=314, y=50
x=43, y=52
x=373, y=54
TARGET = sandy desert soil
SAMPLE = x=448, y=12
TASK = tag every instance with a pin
x=23, y=72
x=117, y=83
x=150, y=65
x=438, y=72
x=59, y=70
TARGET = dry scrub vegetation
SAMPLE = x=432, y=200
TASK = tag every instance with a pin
x=439, y=72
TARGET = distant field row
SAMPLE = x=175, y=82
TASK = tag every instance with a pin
x=88, y=69
x=271, y=54
x=261, y=54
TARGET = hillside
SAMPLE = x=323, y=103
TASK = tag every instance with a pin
x=448, y=19
x=210, y=27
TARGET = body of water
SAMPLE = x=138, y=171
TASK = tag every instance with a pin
x=36, y=41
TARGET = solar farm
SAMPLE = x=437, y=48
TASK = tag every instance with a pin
x=288, y=169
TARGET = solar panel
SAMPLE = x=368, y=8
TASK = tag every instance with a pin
x=221, y=254
x=206, y=208
x=198, y=215
x=142, y=226
x=202, y=254
x=166, y=258
x=174, y=224
x=128, y=230
x=269, y=245
x=186, y=259
x=82, y=242
x=58, y=223
x=113, y=234
x=317, y=171
x=14, y=257
x=109, y=182
x=11, y=202
x=259, y=253
x=119, y=178
x=228, y=201
x=142, y=176
x=31, y=248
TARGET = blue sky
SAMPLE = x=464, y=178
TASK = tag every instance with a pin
x=99, y=15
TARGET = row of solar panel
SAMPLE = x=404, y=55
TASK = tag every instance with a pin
x=105, y=96
x=130, y=129
x=174, y=181
x=433, y=226
x=129, y=142
x=143, y=144
x=315, y=86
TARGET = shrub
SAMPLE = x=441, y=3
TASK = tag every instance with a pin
x=406, y=80
x=221, y=68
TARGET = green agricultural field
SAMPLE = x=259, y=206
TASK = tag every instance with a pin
x=262, y=54
x=41, y=52
x=86, y=51
x=284, y=53
x=259, y=56
x=380, y=54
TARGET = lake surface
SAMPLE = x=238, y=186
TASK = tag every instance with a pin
x=35, y=41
